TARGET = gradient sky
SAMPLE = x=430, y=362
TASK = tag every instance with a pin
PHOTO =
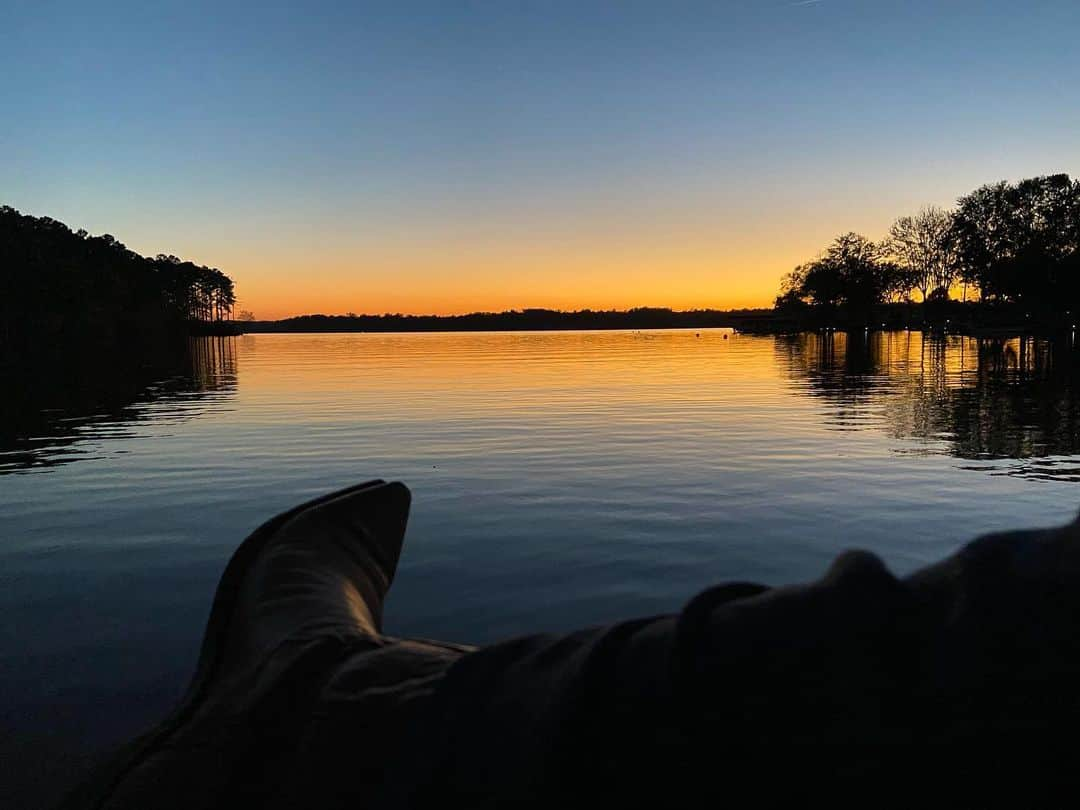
x=448, y=157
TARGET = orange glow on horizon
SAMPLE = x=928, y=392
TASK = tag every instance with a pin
x=457, y=286
x=270, y=304
x=710, y=258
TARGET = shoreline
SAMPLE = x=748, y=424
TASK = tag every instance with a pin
x=975, y=333
x=1008, y=331
x=980, y=319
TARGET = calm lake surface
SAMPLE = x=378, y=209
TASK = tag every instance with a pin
x=559, y=480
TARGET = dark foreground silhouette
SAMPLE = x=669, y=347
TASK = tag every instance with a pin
x=959, y=679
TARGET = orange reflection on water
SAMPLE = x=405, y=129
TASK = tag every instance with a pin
x=462, y=373
x=972, y=398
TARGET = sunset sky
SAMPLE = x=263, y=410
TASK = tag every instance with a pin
x=459, y=156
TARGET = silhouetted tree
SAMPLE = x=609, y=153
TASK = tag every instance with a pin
x=925, y=250
x=1018, y=242
x=851, y=276
x=62, y=285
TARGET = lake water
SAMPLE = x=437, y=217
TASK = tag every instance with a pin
x=559, y=480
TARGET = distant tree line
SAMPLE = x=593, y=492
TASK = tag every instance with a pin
x=1012, y=244
x=64, y=285
x=526, y=319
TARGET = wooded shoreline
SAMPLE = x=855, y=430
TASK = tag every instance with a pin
x=954, y=317
x=515, y=320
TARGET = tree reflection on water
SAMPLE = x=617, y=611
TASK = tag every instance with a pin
x=983, y=399
x=62, y=406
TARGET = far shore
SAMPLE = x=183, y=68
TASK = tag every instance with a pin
x=954, y=317
x=527, y=320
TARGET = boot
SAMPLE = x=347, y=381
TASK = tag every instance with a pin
x=303, y=590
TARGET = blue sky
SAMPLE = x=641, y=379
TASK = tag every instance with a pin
x=449, y=156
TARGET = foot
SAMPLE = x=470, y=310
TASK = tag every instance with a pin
x=301, y=589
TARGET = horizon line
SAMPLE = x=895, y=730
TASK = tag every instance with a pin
x=519, y=311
